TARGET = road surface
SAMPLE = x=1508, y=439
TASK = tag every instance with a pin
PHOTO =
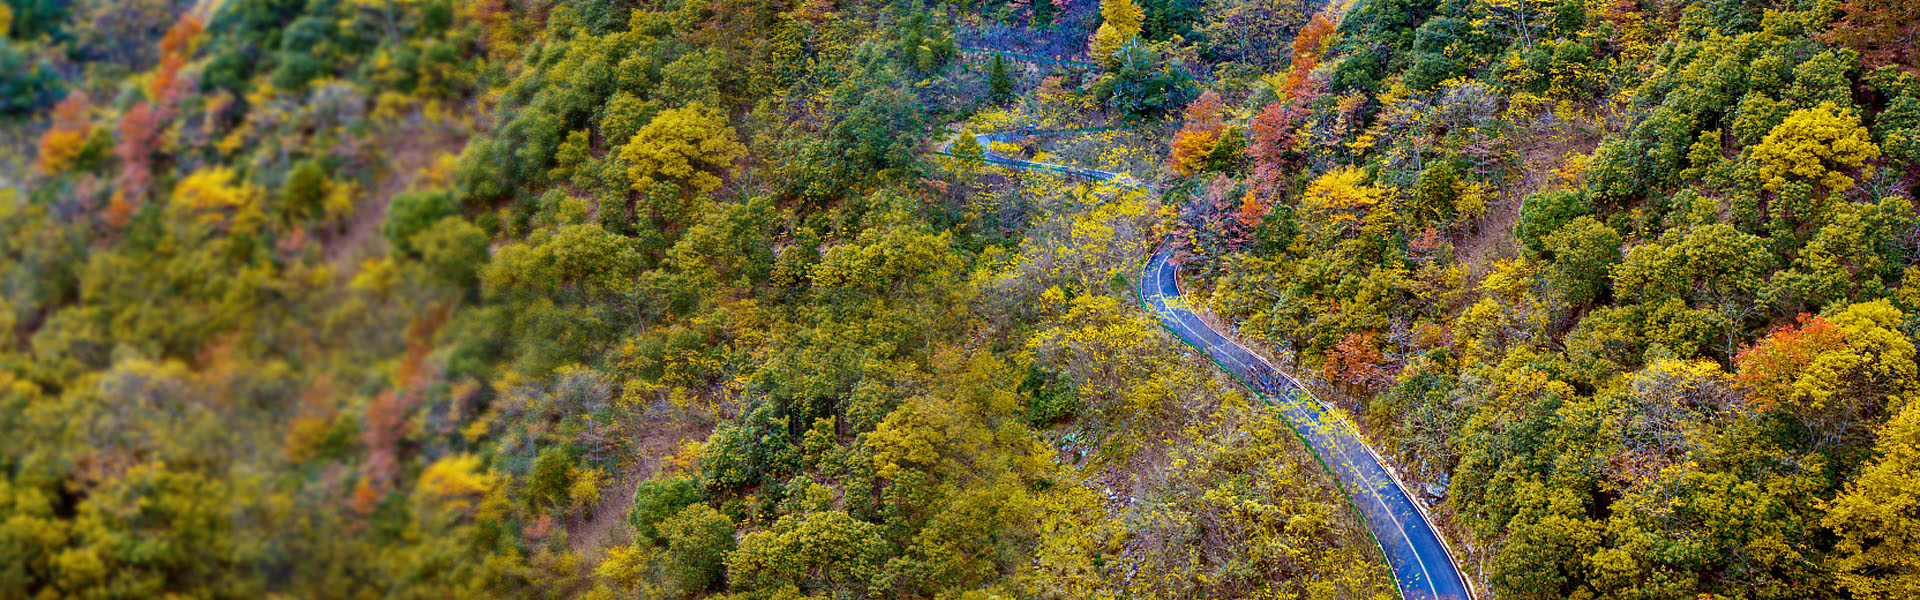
x=1423, y=567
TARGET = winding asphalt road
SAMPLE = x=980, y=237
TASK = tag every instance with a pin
x=1423, y=566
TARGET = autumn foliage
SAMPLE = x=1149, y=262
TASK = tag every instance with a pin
x=1769, y=368
x=1357, y=362
x=1882, y=31
x=1204, y=126
x=62, y=142
x=1274, y=130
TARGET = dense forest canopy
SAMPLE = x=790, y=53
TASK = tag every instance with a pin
x=733, y=299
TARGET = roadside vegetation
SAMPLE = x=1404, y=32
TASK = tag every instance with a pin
x=687, y=299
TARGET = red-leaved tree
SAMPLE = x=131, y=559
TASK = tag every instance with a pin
x=1882, y=31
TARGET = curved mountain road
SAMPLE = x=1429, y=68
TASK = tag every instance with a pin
x=1423, y=566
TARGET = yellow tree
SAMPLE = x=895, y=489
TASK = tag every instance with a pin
x=1120, y=24
x=685, y=145
x=1878, y=518
x=1819, y=145
x=1340, y=199
x=213, y=195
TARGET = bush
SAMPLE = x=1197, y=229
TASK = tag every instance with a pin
x=657, y=499
x=1544, y=213
x=305, y=191
x=412, y=212
x=552, y=474
x=698, y=540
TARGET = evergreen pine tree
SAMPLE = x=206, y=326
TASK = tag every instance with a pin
x=999, y=85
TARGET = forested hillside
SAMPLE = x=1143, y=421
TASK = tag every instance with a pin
x=733, y=299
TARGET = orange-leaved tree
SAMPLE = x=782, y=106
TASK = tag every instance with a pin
x=1833, y=373
x=62, y=142
x=1203, y=130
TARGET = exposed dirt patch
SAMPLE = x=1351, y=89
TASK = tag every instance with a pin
x=1550, y=142
x=407, y=154
x=653, y=444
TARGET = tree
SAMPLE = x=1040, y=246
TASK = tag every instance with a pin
x=685, y=145
x=1041, y=15
x=26, y=82
x=967, y=148
x=1196, y=140
x=1582, y=252
x=1340, y=199
x=1543, y=213
x=1273, y=151
x=1251, y=32
x=1716, y=263
x=63, y=142
x=1357, y=362
x=1253, y=211
x=552, y=475
x=1882, y=31
x=456, y=481
x=1878, y=518
x=453, y=250
x=304, y=194
x=412, y=212
x=624, y=115
x=217, y=195
x=1833, y=373
x=577, y=262
x=1819, y=145
x=819, y=552
x=1142, y=83
x=655, y=500
x=1119, y=26
x=139, y=139
x=999, y=85
x=698, y=540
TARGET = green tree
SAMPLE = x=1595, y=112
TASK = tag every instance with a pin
x=412, y=212
x=819, y=552
x=999, y=85
x=550, y=478
x=453, y=249
x=1713, y=263
x=27, y=83
x=624, y=115
x=1142, y=84
x=577, y=261
x=698, y=540
x=654, y=500
x=1582, y=252
x=1042, y=13
x=305, y=191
